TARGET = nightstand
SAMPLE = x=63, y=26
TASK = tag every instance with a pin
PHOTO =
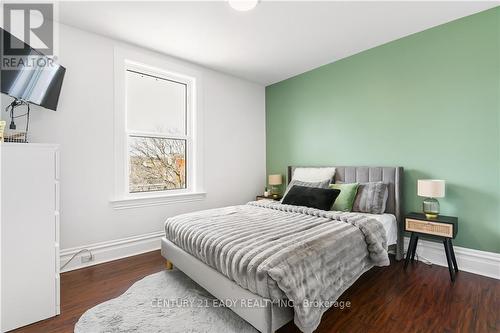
x=444, y=228
x=270, y=197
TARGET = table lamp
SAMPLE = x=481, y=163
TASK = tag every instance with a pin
x=274, y=181
x=431, y=189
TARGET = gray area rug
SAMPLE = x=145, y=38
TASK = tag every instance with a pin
x=167, y=301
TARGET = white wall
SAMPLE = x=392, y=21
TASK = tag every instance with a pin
x=234, y=142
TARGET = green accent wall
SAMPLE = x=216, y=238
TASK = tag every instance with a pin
x=428, y=102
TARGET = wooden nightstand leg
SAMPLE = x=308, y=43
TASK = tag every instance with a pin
x=168, y=265
x=448, y=259
x=414, y=250
x=410, y=248
x=450, y=244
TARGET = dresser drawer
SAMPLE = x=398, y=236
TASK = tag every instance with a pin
x=431, y=228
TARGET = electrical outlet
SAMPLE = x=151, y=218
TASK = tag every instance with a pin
x=86, y=258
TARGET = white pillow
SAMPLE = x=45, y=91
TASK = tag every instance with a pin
x=313, y=174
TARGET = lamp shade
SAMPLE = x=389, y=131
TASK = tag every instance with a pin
x=431, y=188
x=275, y=180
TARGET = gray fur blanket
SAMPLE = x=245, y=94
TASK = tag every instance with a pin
x=305, y=255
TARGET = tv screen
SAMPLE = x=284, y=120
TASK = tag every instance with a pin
x=30, y=76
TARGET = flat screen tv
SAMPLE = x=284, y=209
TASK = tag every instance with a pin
x=33, y=82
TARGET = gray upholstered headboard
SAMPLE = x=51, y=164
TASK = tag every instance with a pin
x=390, y=175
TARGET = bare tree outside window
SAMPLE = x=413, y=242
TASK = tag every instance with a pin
x=156, y=164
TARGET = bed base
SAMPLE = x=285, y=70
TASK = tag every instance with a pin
x=267, y=317
x=168, y=265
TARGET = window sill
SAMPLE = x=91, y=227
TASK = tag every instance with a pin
x=157, y=200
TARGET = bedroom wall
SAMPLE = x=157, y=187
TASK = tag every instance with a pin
x=234, y=141
x=428, y=102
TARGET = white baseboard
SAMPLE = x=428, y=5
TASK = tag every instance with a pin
x=469, y=260
x=112, y=250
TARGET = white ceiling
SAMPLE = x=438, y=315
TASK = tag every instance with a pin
x=274, y=41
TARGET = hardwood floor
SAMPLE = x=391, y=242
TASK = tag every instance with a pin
x=387, y=299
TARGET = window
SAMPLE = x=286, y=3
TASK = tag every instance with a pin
x=157, y=130
x=158, y=158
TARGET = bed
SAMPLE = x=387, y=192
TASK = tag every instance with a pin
x=242, y=254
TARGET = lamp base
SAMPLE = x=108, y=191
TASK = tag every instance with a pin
x=275, y=191
x=430, y=206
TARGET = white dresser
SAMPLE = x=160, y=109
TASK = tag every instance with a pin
x=30, y=233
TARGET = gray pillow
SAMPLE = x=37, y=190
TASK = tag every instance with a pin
x=371, y=198
x=322, y=184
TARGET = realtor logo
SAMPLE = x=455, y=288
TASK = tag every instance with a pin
x=31, y=23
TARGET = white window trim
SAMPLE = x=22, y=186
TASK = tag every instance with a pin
x=150, y=63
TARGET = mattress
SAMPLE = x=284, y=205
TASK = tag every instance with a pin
x=390, y=225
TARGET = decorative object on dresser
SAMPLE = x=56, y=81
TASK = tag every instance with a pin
x=431, y=189
x=443, y=228
x=2, y=129
x=275, y=181
x=30, y=233
x=268, y=197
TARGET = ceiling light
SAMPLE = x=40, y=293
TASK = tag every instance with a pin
x=243, y=5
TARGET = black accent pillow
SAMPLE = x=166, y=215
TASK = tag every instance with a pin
x=320, y=198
